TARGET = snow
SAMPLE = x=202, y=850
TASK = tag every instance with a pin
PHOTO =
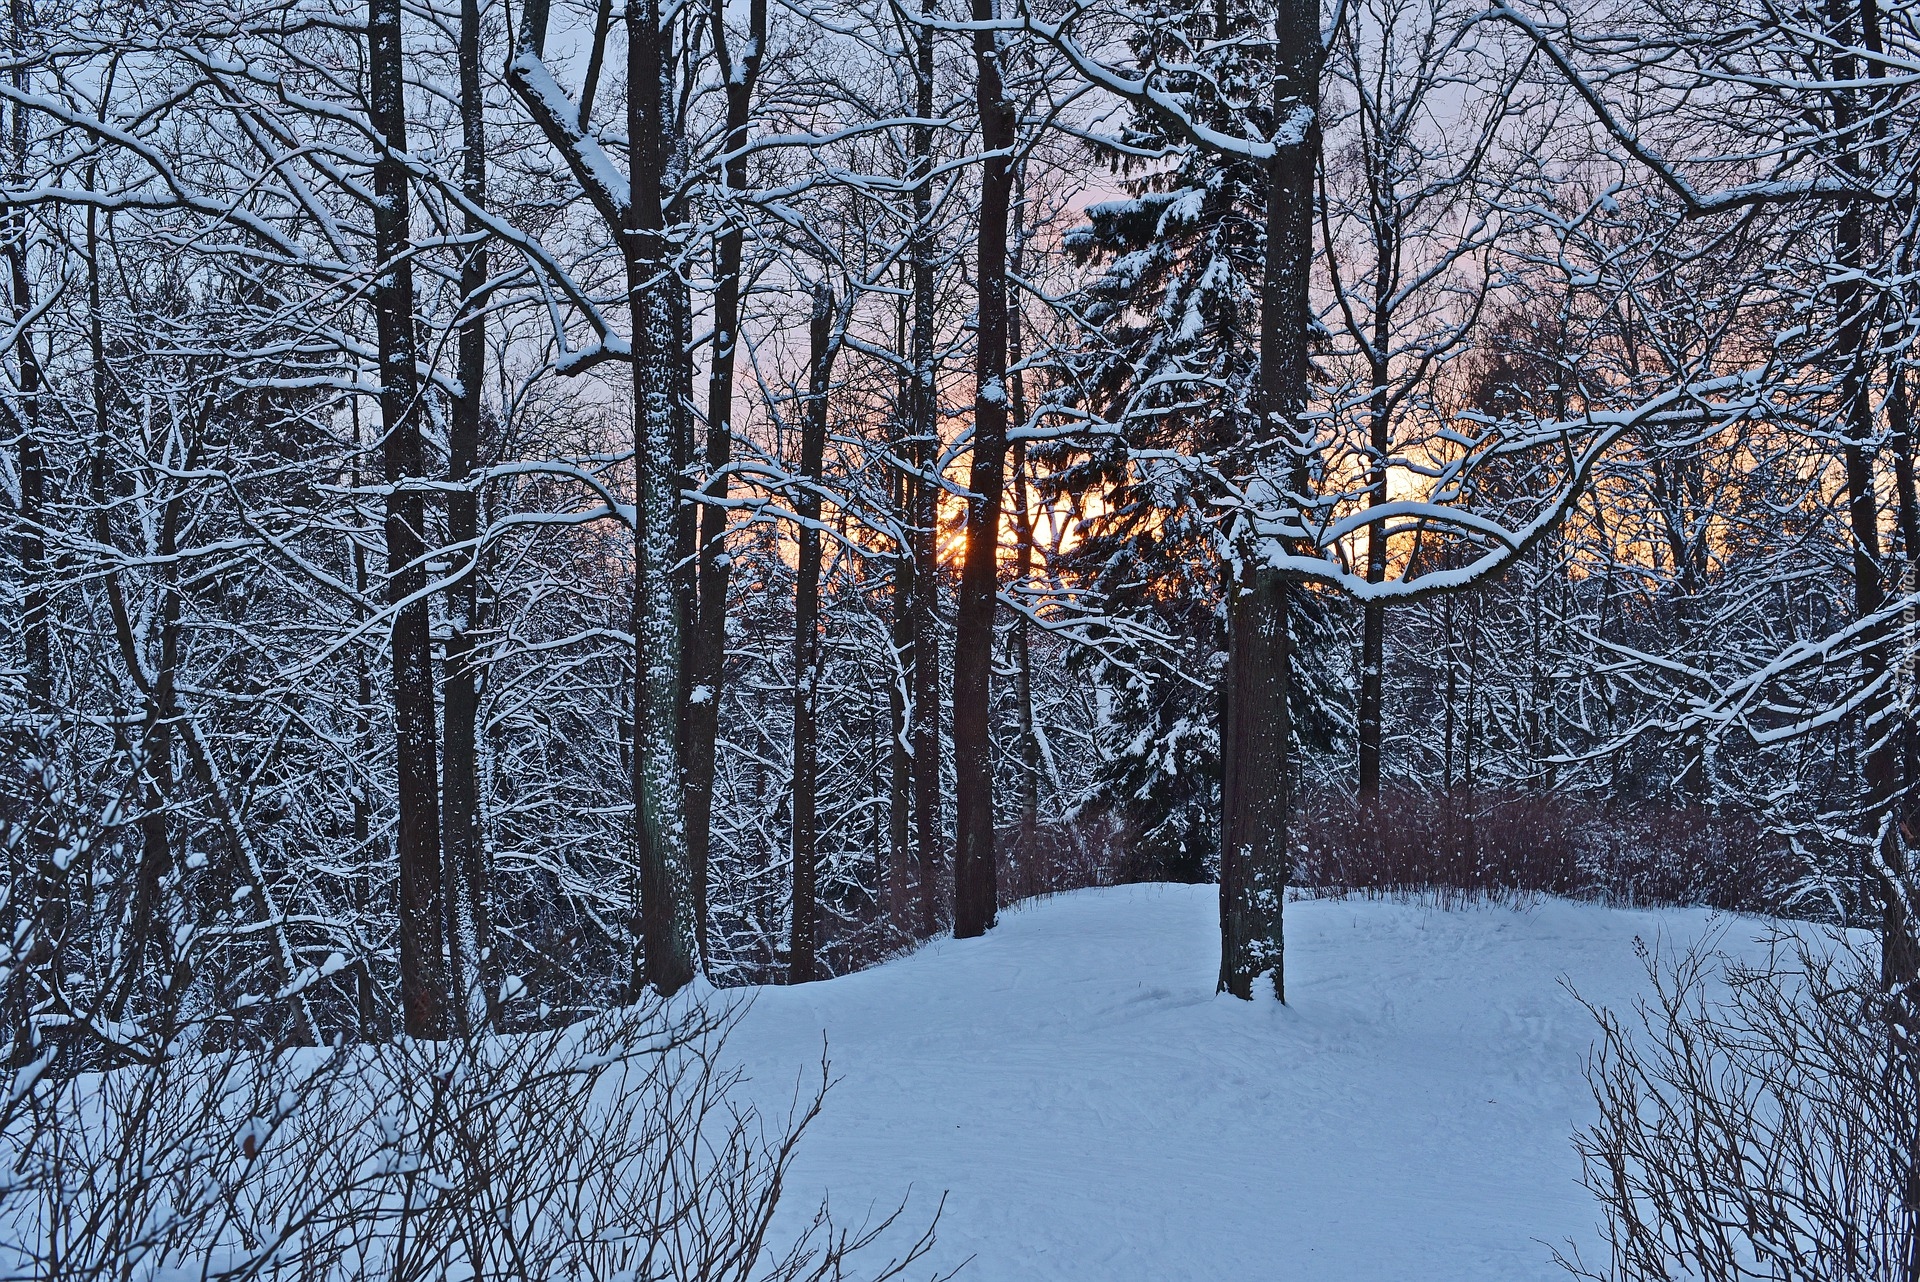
x=1094, y=1111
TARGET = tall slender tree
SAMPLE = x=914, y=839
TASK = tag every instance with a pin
x=665, y=883
x=801, y=962
x=1254, y=746
x=662, y=909
x=924, y=488
x=707, y=647
x=975, y=888
x=423, y=975
x=469, y=925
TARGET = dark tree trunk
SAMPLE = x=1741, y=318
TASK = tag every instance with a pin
x=1023, y=656
x=1899, y=929
x=806, y=647
x=975, y=894
x=1900, y=946
x=686, y=514
x=1373, y=625
x=1900, y=416
x=1022, y=551
x=469, y=925
x=1253, y=794
x=423, y=977
x=373, y=1025
x=35, y=628
x=1451, y=696
x=1253, y=873
x=924, y=736
x=148, y=949
x=34, y=865
x=707, y=648
x=662, y=910
x=899, y=690
x=664, y=885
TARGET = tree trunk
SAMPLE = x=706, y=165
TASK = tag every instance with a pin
x=1253, y=794
x=924, y=737
x=806, y=647
x=686, y=512
x=373, y=1027
x=1373, y=626
x=1900, y=416
x=975, y=894
x=707, y=648
x=1253, y=867
x=35, y=865
x=155, y=763
x=1023, y=668
x=900, y=692
x=423, y=979
x=664, y=882
x=1022, y=559
x=469, y=927
x=1900, y=948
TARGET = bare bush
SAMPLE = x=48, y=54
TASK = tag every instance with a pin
x=618, y=1148
x=1497, y=846
x=1757, y=1122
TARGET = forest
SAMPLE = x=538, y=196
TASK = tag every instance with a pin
x=529, y=527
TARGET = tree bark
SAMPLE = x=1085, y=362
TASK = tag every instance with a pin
x=924, y=736
x=1373, y=625
x=1253, y=867
x=1253, y=845
x=34, y=865
x=1900, y=948
x=686, y=512
x=469, y=925
x=806, y=648
x=155, y=763
x=423, y=977
x=900, y=690
x=667, y=950
x=664, y=884
x=975, y=893
x=1900, y=424
x=1022, y=550
x=707, y=648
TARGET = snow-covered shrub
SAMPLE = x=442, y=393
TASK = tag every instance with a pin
x=1757, y=1123
x=617, y=1148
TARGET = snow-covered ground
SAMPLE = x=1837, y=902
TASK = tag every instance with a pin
x=1093, y=1111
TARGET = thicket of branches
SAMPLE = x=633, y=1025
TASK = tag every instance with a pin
x=1756, y=1121
x=619, y=1147
x=509, y=506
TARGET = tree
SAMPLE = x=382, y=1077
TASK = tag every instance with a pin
x=806, y=641
x=1407, y=226
x=706, y=652
x=423, y=976
x=663, y=908
x=471, y=964
x=1270, y=64
x=975, y=889
x=1762, y=159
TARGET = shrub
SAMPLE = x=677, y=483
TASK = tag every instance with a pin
x=617, y=1148
x=1540, y=844
x=1757, y=1122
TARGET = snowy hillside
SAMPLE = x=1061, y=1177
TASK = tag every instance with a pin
x=1095, y=1112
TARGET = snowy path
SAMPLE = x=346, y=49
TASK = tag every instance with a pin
x=1096, y=1113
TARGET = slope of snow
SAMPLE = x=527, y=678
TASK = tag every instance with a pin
x=1093, y=1111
